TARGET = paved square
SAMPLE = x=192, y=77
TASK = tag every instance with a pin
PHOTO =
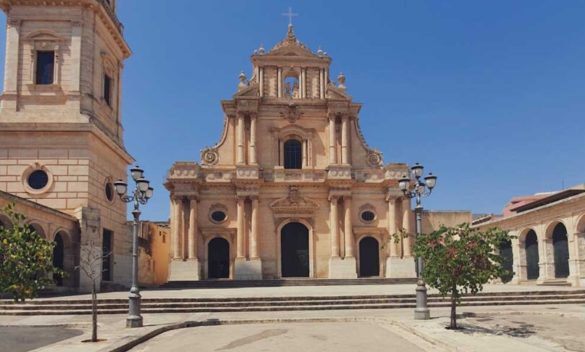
x=285, y=337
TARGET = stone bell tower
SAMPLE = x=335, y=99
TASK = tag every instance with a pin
x=60, y=123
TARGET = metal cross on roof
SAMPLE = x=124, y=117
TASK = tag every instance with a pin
x=290, y=15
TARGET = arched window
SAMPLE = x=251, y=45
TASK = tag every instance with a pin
x=293, y=154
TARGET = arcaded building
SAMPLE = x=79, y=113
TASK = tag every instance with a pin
x=61, y=135
x=291, y=189
x=549, y=237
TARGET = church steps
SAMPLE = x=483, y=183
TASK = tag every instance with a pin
x=69, y=302
x=173, y=303
x=240, y=304
x=270, y=308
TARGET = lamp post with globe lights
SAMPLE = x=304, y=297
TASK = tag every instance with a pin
x=413, y=187
x=141, y=194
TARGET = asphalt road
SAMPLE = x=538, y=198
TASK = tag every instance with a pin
x=289, y=337
x=26, y=338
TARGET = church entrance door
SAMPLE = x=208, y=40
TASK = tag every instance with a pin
x=369, y=257
x=218, y=259
x=531, y=247
x=294, y=250
x=561, y=251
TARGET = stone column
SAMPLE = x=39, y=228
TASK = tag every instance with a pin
x=11, y=63
x=393, y=226
x=192, y=239
x=348, y=229
x=174, y=228
x=279, y=82
x=519, y=269
x=304, y=154
x=345, y=140
x=332, y=153
x=254, y=230
x=579, y=260
x=178, y=228
x=240, y=231
x=240, y=138
x=408, y=224
x=252, y=147
x=261, y=81
x=334, y=218
x=76, y=33
x=321, y=84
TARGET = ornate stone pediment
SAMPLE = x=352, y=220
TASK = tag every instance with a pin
x=295, y=204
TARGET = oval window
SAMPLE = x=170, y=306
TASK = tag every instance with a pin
x=218, y=216
x=368, y=216
x=109, y=191
x=38, y=179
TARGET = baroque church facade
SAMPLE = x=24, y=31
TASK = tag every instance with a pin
x=291, y=189
x=61, y=135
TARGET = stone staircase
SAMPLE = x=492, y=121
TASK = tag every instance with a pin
x=290, y=303
x=229, y=283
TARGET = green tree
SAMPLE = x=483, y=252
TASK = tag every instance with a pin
x=461, y=260
x=25, y=258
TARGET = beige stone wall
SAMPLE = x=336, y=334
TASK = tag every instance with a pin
x=433, y=220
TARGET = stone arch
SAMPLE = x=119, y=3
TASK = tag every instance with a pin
x=548, y=233
x=310, y=229
x=291, y=83
x=303, y=135
x=580, y=224
x=64, y=247
x=369, y=256
x=38, y=228
x=218, y=258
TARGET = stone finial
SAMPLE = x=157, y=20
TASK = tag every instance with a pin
x=261, y=50
x=243, y=81
x=341, y=81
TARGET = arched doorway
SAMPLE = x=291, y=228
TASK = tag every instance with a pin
x=218, y=259
x=294, y=250
x=58, y=258
x=507, y=259
x=561, y=251
x=369, y=257
x=532, y=259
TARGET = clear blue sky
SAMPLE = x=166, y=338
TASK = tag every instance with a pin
x=489, y=95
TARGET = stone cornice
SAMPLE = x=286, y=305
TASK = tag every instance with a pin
x=27, y=202
x=101, y=9
x=576, y=203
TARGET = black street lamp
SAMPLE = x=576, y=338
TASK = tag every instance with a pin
x=413, y=187
x=141, y=194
